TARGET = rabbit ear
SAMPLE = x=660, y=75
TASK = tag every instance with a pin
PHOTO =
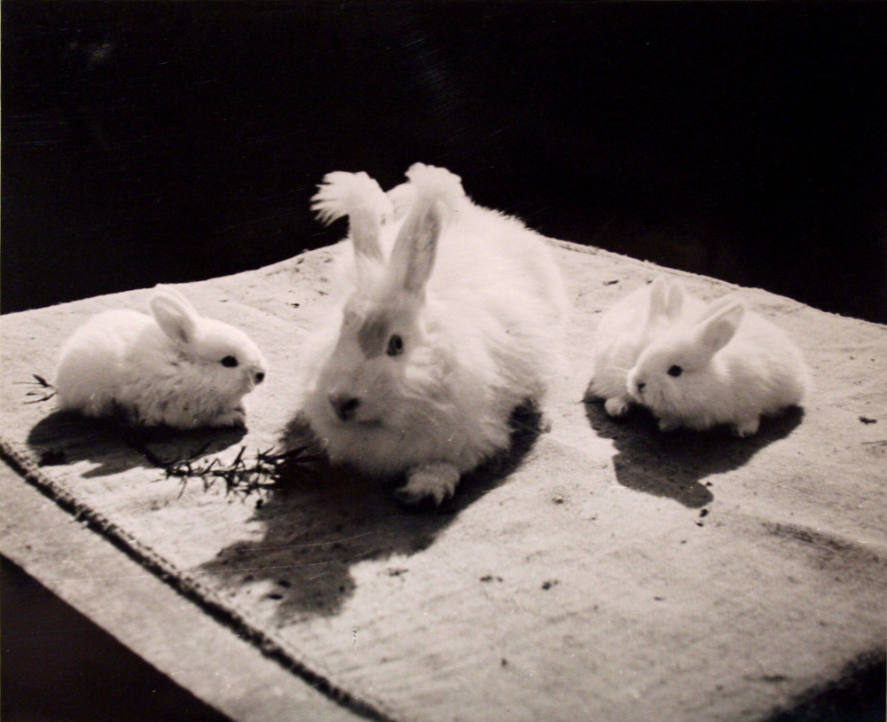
x=674, y=302
x=162, y=289
x=657, y=299
x=666, y=300
x=412, y=257
x=717, y=305
x=364, y=227
x=359, y=197
x=715, y=330
x=175, y=315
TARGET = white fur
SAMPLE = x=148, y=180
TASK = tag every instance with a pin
x=735, y=366
x=159, y=369
x=625, y=329
x=480, y=306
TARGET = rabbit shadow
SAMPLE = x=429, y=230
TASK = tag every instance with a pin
x=320, y=521
x=65, y=437
x=675, y=464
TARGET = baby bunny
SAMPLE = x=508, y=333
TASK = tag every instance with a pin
x=727, y=366
x=455, y=317
x=624, y=331
x=173, y=368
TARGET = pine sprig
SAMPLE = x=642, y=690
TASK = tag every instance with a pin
x=244, y=476
x=44, y=390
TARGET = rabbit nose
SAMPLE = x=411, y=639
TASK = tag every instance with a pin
x=344, y=405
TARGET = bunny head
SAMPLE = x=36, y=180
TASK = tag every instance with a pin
x=678, y=375
x=625, y=329
x=220, y=357
x=382, y=362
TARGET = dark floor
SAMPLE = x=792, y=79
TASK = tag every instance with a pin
x=56, y=664
x=160, y=141
x=59, y=667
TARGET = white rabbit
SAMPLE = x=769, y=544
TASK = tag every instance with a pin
x=727, y=366
x=455, y=317
x=624, y=331
x=173, y=368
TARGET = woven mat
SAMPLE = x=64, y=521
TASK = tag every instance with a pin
x=606, y=572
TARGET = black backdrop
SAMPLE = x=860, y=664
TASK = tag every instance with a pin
x=147, y=142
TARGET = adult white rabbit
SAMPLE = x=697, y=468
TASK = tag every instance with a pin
x=455, y=317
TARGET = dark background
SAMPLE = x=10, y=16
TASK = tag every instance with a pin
x=147, y=142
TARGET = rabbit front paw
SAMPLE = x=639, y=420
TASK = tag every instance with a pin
x=616, y=406
x=748, y=427
x=436, y=480
x=235, y=418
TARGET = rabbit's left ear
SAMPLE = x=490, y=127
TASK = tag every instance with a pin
x=717, y=329
x=674, y=302
x=175, y=315
x=162, y=289
x=666, y=300
x=412, y=257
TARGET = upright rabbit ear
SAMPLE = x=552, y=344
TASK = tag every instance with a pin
x=715, y=330
x=162, y=289
x=359, y=197
x=412, y=257
x=657, y=299
x=666, y=300
x=674, y=302
x=175, y=315
x=718, y=304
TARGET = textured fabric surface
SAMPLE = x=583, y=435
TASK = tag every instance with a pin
x=602, y=571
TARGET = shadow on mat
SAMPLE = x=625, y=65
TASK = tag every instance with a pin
x=320, y=521
x=675, y=464
x=65, y=437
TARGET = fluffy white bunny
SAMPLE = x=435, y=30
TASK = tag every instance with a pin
x=727, y=366
x=624, y=331
x=173, y=368
x=455, y=316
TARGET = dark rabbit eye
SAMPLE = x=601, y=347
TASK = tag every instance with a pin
x=395, y=346
x=229, y=361
x=675, y=371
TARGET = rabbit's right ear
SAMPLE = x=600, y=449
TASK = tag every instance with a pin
x=716, y=330
x=412, y=257
x=176, y=319
x=359, y=197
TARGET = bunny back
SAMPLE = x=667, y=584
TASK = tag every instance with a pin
x=93, y=362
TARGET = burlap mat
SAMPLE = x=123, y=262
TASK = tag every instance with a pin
x=604, y=571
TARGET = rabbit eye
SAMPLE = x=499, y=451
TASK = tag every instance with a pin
x=395, y=345
x=675, y=371
x=229, y=361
